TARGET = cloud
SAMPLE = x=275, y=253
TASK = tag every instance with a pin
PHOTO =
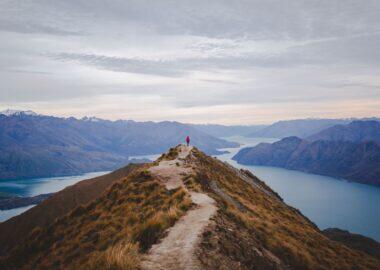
x=119, y=64
x=33, y=28
x=361, y=49
x=191, y=60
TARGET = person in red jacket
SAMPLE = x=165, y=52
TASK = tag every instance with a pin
x=187, y=140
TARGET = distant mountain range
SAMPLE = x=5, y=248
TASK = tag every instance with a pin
x=227, y=131
x=357, y=131
x=39, y=146
x=301, y=128
x=351, y=152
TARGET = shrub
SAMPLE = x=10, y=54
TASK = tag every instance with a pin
x=149, y=234
x=123, y=256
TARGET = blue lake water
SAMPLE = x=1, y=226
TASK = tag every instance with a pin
x=327, y=201
x=36, y=186
x=7, y=214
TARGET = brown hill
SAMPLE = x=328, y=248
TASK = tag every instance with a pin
x=355, y=241
x=14, y=230
x=185, y=211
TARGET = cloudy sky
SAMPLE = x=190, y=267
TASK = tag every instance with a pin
x=215, y=61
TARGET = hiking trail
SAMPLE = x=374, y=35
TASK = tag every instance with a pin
x=177, y=249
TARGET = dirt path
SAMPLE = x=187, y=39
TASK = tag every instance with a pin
x=171, y=172
x=177, y=249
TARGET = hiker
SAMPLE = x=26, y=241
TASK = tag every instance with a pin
x=187, y=140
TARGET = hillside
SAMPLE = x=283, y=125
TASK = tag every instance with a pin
x=301, y=128
x=356, y=131
x=185, y=211
x=357, y=162
x=42, y=146
x=11, y=202
x=355, y=241
x=14, y=230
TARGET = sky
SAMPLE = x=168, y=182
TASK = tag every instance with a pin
x=226, y=62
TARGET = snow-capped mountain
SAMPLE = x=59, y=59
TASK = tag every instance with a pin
x=10, y=112
x=91, y=119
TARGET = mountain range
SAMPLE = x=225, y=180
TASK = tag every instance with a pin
x=228, y=131
x=40, y=146
x=186, y=210
x=356, y=131
x=301, y=128
x=351, y=152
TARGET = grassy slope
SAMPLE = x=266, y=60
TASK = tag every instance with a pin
x=131, y=216
x=14, y=231
x=355, y=241
x=263, y=232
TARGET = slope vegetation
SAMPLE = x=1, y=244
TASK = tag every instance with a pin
x=14, y=231
x=131, y=216
x=255, y=229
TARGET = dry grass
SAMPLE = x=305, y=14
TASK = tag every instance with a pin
x=273, y=225
x=14, y=231
x=170, y=155
x=191, y=183
x=136, y=211
x=123, y=256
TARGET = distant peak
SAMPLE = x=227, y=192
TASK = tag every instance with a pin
x=292, y=139
x=91, y=119
x=10, y=112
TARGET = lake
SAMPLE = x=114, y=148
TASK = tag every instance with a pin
x=36, y=186
x=327, y=201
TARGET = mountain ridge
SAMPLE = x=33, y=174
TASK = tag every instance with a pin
x=302, y=128
x=356, y=131
x=228, y=131
x=44, y=146
x=125, y=225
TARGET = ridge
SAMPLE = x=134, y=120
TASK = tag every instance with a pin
x=184, y=211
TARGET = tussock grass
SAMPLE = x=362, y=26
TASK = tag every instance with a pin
x=191, y=183
x=152, y=230
x=170, y=155
x=109, y=233
x=123, y=256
